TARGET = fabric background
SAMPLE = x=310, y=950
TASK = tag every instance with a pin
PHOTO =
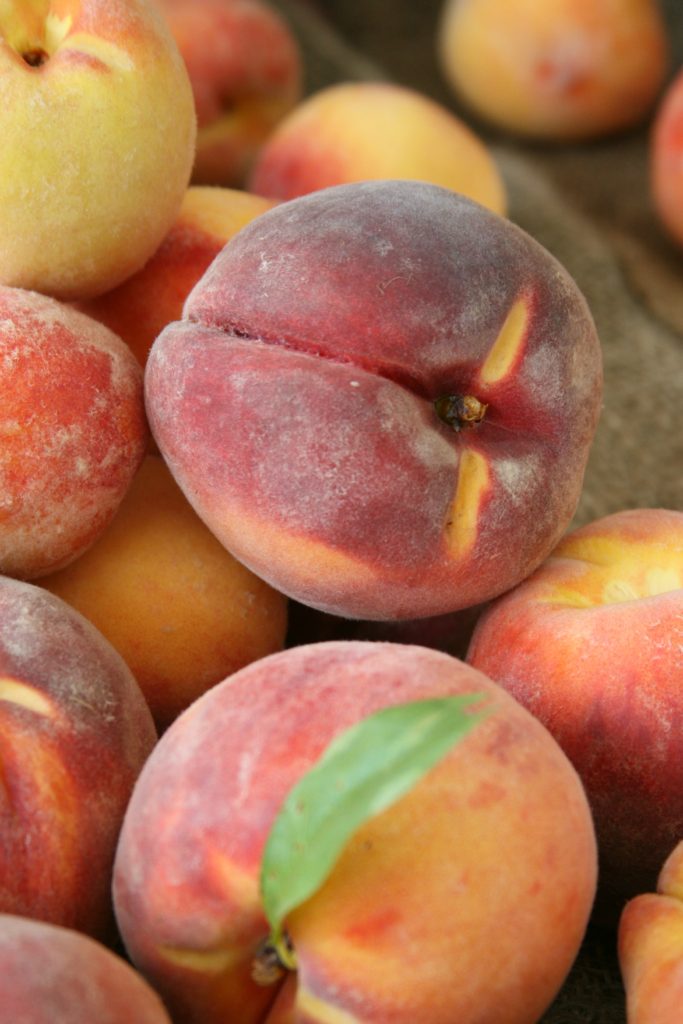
x=589, y=204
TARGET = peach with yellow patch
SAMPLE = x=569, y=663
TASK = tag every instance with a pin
x=144, y=303
x=51, y=973
x=73, y=429
x=246, y=71
x=422, y=920
x=98, y=141
x=75, y=731
x=181, y=611
x=592, y=644
x=563, y=69
x=650, y=944
x=357, y=131
x=381, y=399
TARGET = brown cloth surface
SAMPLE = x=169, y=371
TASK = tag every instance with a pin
x=589, y=204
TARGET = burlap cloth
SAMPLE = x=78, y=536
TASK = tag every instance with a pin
x=590, y=206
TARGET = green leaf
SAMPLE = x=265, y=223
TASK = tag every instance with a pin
x=362, y=772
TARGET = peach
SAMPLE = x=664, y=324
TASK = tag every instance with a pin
x=181, y=611
x=650, y=943
x=246, y=72
x=666, y=159
x=75, y=731
x=365, y=130
x=466, y=899
x=381, y=399
x=98, y=142
x=562, y=69
x=49, y=974
x=592, y=644
x=144, y=303
x=73, y=430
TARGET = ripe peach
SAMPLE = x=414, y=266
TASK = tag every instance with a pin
x=666, y=159
x=592, y=644
x=246, y=73
x=562, y=69
x=50, y=974
x=73, y=429
x=181, y=611
x=650, y=943
x=97, y=144
x=467, y=899
x=363, y=130
x=381, y=399
x=143, y=304
x=75, y=731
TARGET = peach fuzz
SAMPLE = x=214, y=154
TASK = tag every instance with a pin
x=75, y=731
x=592, y=644
x=49, y=974
x=181, y=611
x=141, y=306
x=246, y=72
x=423, y=920
x=98, y=141
x=73, y=429
x=558, y=70
x=381, y=399
x=666, y=159
x=363, y=130
x=650, y=945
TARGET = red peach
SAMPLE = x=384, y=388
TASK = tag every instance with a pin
x=465, y=900
x=73, y=430
x=75, y=731
x=381, y=399
x=50, y=974
x=362, y=130
x=592, y=644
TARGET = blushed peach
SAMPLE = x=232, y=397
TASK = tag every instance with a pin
x=363, y=130
x=75, y=731
x=246, y=72
x=666, y=159
x=465, y=900
x=561, y=69
x=73, y=430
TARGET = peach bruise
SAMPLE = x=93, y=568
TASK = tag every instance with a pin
x=381, y=399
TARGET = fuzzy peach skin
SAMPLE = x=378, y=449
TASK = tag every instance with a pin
x=364, y=130
x=74, y=733
x=592, y=644
x=246, y=71
x=50, y=974
x=301, y=402
x=144, y=303
x=558, y=70
x=181, y=611
x=466, y=900
x=97, y=145
x=666, y=159
x=650, y=944
x=73, y=429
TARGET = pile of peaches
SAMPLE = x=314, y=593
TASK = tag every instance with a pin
x=293, y=429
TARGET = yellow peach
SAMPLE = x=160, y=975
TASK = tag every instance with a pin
x=181, y=611
x=98, y=140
